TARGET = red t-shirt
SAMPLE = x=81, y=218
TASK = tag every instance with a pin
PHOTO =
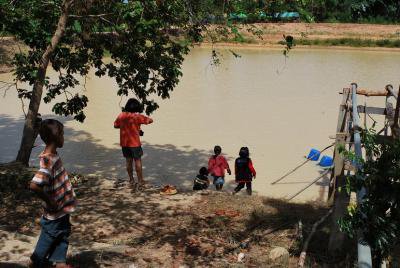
x=217, y=166
x=129, y=126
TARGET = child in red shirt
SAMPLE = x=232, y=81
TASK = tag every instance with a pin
x=129, y=122
x=216, y=167
x=244, y=171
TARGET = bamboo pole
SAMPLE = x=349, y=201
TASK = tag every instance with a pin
x=299, y=166
x=311, y=183
x=303, y=254
x=364, y=250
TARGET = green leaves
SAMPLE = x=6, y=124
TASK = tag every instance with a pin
x=74, y=106
x=146, y=59
x=378, y=216
x=289, y=44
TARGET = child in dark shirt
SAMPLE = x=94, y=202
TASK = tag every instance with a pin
x=244, y=171
x=201, y=182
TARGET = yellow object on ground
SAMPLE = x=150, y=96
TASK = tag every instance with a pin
x=168, y=190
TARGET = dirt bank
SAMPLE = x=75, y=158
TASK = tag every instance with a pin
x=272, y=33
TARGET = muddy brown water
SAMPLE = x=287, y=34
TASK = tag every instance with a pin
x=279, y=108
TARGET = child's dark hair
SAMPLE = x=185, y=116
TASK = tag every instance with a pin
x=133, y=106
x=217, y=149
x=203, y=171
x=50, y=130
x=244, y=152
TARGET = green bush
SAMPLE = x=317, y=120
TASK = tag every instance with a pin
x=378, y=215
x=351, y=42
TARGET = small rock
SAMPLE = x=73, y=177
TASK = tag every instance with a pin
x=279, y=253
x=244, y=245
x=240, y=257
x=219, y=251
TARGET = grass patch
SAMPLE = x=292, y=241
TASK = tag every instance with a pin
x=350, y=42
x=239, y=40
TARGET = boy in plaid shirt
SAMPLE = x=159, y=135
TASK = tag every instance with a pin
x=52, y=185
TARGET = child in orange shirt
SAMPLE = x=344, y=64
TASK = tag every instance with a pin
x=129, y=122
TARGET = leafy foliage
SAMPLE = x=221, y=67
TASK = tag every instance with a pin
x=378, y=215
x=146, y=57
x=378, y=11
x=146, y=41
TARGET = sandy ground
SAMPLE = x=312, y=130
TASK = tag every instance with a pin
x=117, y=227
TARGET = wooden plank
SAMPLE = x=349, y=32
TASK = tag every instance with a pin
x=343, y=110
x=340, y=199
x=396, y=129
x=337, y=237
x=377, y=92
x=344, y=134
x=341, y=135
x=390, y=113
x=338, y=166
x=371, y=93
x=380, y=92
x=371, y=110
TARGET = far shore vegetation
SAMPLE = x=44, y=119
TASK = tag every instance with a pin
x=347, y=42
x=325, y=42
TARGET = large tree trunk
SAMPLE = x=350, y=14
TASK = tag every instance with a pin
x=31, y=127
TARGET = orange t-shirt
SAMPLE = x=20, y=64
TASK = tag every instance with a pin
x=129, y=126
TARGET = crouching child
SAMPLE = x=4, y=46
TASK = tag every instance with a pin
x=201, y=182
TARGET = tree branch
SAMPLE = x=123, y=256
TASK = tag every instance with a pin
x=90, y=15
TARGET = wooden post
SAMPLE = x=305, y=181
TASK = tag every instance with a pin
x=338, y=167
x=395, y=127
x=390, y=113
x=339, y=198
x=341, y=126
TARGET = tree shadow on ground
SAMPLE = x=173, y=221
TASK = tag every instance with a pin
x=10, y=137
x=11, y=265
x=107, y=214
x=84, y=153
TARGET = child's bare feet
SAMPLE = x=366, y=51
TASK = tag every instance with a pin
x=133, y=185
x=117, y=183
x=143, y=185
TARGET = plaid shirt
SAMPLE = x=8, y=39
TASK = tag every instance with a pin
x=55, y=182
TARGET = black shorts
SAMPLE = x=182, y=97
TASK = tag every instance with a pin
x=132, y=152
